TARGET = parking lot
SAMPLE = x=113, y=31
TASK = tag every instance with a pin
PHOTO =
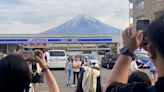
x=60, y=78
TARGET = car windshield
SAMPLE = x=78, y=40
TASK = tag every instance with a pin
x=57, y=53
x=142, y=56
x=91, y=56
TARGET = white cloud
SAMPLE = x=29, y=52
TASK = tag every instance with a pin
x=40, y=15
x=17, y=27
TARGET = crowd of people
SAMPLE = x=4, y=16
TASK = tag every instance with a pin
x=15, y=73
x=76, y=65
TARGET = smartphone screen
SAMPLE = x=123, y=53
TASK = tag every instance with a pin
x=29, y=55
x=142, y=24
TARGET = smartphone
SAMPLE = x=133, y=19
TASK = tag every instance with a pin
x=37, y=53
x=142, y=24
x=29, y=55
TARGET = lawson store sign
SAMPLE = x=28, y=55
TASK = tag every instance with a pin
x=54, y=40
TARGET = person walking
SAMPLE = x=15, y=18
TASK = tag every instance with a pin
x=76, y=69
x=68, y=70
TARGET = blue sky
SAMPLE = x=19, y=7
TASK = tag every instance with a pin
x=34, y=16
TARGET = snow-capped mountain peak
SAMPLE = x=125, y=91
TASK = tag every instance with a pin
x=81, y=25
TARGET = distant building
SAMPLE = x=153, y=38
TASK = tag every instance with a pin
x=146, y=9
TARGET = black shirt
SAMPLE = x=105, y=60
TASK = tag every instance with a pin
x=136, y=87
x=159, y=85
x=34, y=66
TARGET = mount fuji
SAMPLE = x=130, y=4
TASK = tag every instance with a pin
x=83, y=25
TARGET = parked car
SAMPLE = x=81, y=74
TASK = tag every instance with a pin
x=92, y=60
x=57, y=58
x=108, y=60
x=142, y=59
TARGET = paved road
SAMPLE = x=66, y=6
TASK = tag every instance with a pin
x=60, y=77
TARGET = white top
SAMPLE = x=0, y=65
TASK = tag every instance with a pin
x=4, y=55
x=134, y=66
x=68, y=65
x=76, y=66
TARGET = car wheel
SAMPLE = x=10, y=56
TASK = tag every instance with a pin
x=107, y=66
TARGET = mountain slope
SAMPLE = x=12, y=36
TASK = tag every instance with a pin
x=83, y=25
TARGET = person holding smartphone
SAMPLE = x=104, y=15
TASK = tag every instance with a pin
x=50, y=80
x=132, y=39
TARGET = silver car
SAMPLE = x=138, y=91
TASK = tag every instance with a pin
x=92, y=60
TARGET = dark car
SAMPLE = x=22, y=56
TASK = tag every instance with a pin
x=109, y=59
x=142, y=59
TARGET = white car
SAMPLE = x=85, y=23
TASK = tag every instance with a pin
x=57, y=58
